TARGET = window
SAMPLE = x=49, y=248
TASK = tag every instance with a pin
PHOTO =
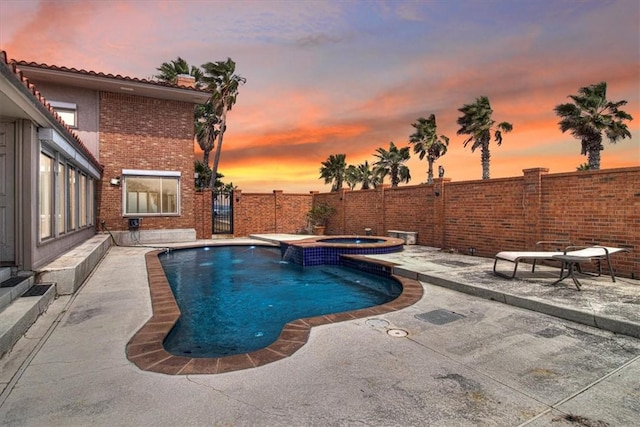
x=67, y=112
x=151, y=192
x=90, y=202
x=61, y=199
x=82, y=202
x=66, y=192
x=46, y=195
x=73, y=194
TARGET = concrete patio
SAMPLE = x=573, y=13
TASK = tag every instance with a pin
x=466, y=361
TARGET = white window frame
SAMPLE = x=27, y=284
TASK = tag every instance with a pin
x=68, y=111
x=139, y=173
x=46, y=197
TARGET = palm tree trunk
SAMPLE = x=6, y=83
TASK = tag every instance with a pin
x=485, y=157
x=395, y=179
x=594, y=159
x=430, y=172
x=205, y=157
x=216, y=159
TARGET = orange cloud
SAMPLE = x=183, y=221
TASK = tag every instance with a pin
x=320, y=82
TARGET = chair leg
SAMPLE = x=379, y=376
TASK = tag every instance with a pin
x=497, y=273
x=613, y=277
x=570, y=266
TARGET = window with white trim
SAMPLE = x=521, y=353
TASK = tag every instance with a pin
x=65, y=197
x=67, y=111
x=61, y=199
x=151, y=192
x=82, y=201
x=46, y=200
x=72, y=206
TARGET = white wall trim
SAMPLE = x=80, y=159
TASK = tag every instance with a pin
x=140, y=172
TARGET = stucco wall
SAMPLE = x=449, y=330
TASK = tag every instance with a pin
x=86, y=101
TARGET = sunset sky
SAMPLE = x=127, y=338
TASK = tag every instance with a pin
x=329, y=77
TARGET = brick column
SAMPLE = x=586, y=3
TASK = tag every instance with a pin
x=532, y=205
x=381, y=226
x=439, y=186
x=277, y=205
x=237, y=195
x=202, y=214
x=343, y=210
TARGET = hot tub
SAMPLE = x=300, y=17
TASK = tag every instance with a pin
x=328, y=250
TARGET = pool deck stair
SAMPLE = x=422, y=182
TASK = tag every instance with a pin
x=21, y=302
x=71, y=269
x=26, y=296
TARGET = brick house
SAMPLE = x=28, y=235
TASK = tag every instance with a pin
x=93, y=151
x=142, y=134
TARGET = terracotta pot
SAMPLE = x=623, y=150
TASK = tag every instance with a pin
x=318, y=230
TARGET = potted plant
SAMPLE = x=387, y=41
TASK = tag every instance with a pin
x=318, y=216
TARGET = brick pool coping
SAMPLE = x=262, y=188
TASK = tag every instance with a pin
x=146, y=351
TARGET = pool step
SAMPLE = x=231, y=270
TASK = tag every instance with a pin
x=21, y=302
x=12, y=287
x=5, y=273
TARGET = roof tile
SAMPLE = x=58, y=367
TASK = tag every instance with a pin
x=109, y=76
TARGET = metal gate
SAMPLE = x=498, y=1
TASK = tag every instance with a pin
x=222, y=214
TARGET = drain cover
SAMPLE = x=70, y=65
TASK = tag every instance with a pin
x=36, y=291
x=12, y=281
x=377, y=323
x=397, y=333
x=439, y=316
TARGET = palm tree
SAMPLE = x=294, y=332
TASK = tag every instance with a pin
x=367, y=176
x=169, y=71
x=333, y=170
x=207, y=129
x=203, y=173
x=351, y=176
x=392, y=163
x=428, y=143
x=221, y=80
x=589, y=116
x=204, y=118
x=476, y=122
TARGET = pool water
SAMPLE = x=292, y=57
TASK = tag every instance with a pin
x=236, y=299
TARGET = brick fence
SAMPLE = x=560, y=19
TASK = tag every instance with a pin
x=586, y=208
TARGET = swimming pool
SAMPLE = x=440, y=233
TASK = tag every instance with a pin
x=146, y=349
x=237, y=299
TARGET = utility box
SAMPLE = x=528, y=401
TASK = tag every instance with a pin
x=134, y=223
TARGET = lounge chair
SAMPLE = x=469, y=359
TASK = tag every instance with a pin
x=595, y=253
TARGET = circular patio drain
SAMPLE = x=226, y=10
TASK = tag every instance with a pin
x=397, y=333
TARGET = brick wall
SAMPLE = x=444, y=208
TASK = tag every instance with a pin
x=270, y=213
x=150, y=134
x=586, y=208
x=203, y=218
x=485, y=215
